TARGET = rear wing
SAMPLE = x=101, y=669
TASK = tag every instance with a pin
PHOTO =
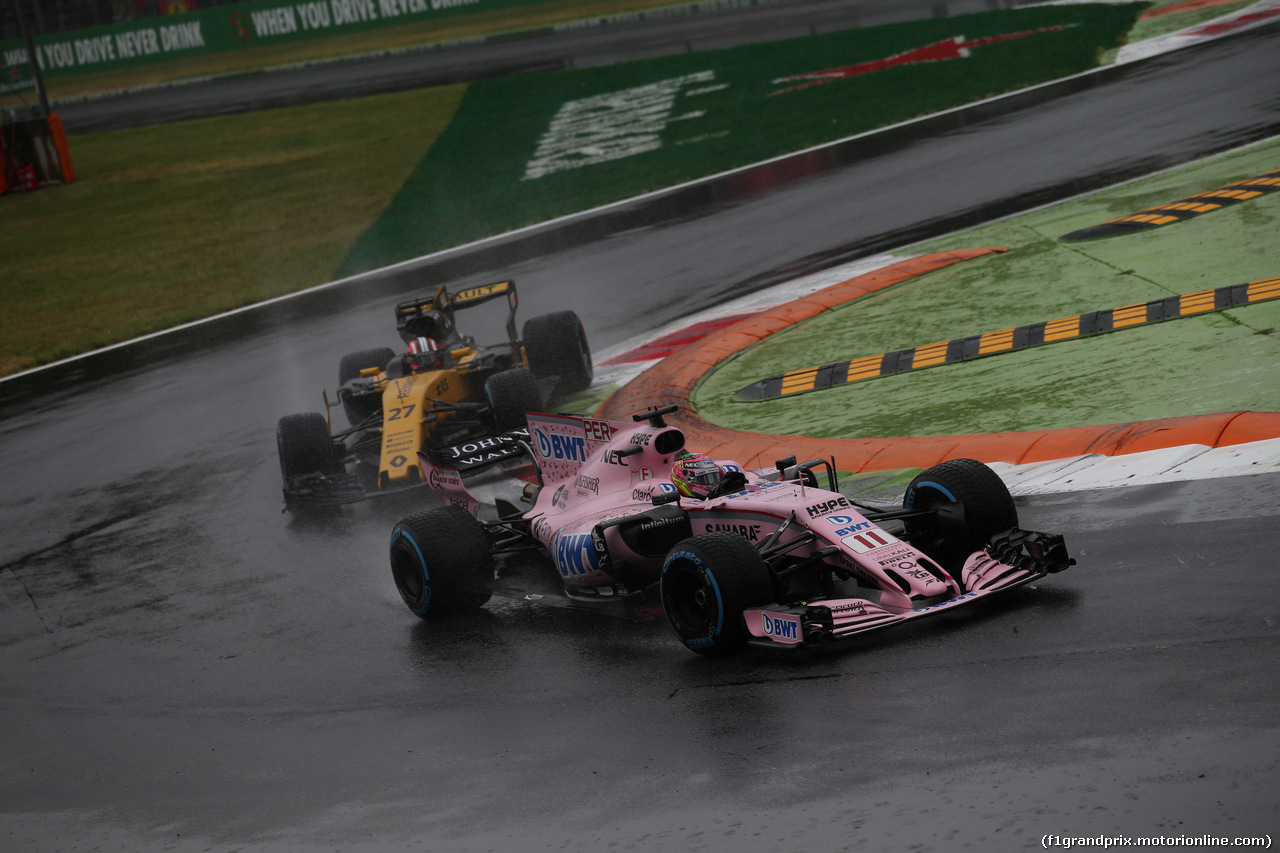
x=482, y=452
x=562, y=443
x=432, y=316
x=559, y=444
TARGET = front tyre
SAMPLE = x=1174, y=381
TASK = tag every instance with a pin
x=305, y=446
x=972, y=504
x=442, y=562
x=511, y=395
x=306, y=451
x=707, y=582
x=556, y=345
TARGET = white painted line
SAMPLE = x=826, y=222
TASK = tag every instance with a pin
x=1170, y=465
x=758, y=301
x=1238, y=21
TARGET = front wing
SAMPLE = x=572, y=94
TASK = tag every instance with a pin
x=1013, y=558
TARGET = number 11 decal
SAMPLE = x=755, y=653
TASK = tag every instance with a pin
x=869, y=540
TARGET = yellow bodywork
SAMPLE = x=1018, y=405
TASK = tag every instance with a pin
x=410, y=412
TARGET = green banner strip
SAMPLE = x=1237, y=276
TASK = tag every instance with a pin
x=218, y=29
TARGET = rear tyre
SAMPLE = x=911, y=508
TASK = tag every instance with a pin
x=556, y=345
x=359, y=407
x=353, y=363
x=511, y=395
x=707, y=581
x=442, y=562
x=985, y=509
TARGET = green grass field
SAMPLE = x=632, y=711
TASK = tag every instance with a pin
x=170, y=224
x=1214, y=362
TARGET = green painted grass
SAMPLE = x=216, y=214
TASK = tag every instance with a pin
x=731, y=111
x=1212, y=363
x=171, y=224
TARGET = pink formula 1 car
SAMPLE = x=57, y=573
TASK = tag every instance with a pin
x=628, y=517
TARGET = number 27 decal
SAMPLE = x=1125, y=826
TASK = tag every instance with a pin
x=400, y=412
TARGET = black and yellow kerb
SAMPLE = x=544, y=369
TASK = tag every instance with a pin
x=1009, y=340
x=1176, y=211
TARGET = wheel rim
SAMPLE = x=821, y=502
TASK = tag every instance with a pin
x=692, y=601
x=410, y=579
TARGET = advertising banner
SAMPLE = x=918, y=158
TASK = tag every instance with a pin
x=17, y=75
x=221, y=28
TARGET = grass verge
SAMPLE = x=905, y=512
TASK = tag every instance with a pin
x=1216, y=362
x=170, y=224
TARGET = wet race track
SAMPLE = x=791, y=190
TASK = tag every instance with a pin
x=184, y=668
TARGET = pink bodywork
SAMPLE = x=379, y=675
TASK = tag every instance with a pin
x=596, y=472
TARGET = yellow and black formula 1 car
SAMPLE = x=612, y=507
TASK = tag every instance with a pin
x=443, y=390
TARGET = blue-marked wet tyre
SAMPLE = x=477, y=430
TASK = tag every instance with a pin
x=442, y=562
x=556, y=345
x=972, y=504
x=511, y=395
x=707, y=581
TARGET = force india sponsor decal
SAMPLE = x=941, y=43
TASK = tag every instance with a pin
x=662, y=521
x=746, y=531
x=847, y=524
x=597, y=430
x=782, y=628
x=444, y=478
x=869, y=540
x=645, y=493
x=569, y=448
x=825, y=507
x=889, y=556
x=575, y=555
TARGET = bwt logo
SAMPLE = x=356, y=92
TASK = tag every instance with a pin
x=571, y=448
x=780, y=628
x=852, y=528
x=576, y=555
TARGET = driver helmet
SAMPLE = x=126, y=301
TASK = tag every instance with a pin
x=424, y=353
x=695, y=475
